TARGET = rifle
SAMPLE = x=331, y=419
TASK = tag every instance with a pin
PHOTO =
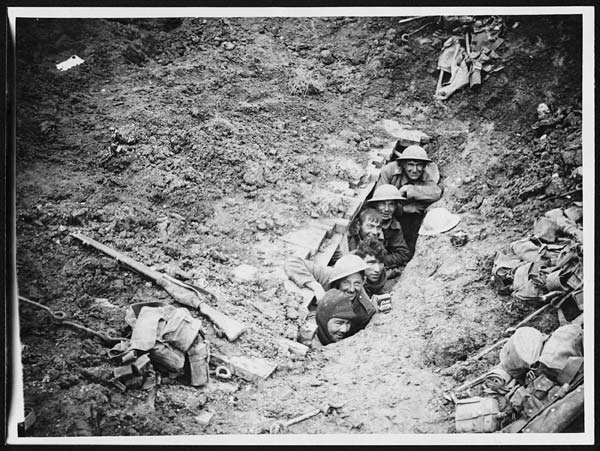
x=182, y=292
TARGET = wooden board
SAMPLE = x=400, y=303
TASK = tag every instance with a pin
x=295, y=249
x=311, y=238
x=324, y=256
x=252, y=369
x=294, y=347
x=325, y=225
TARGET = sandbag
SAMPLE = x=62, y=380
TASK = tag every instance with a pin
x=168, y=357
x=545, y=229
x=565, y=342
x=181, y=329
x=521, y=351
x=477, y=415
x=528, y=282
x=526, y=250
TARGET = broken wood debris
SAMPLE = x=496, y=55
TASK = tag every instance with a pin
x=252, y=369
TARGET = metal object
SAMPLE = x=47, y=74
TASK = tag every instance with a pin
x=383, y=302
x=386, y=192
x=488, y=349
x=472, y=382
x=29, y=419
x=222, y=372
x=346, y=265
x=405, y=36
x=60, y=316
x=459, y=238
x=281, y=426
x=414, y=152
x=57, y=315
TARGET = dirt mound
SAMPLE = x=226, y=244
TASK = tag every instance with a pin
x=195, y=143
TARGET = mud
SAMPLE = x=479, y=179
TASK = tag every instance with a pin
x=185, y=144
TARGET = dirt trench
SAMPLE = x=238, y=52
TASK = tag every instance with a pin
x=184, y=145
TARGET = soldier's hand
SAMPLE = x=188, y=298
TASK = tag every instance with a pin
x=403, y=191
x=317, y=289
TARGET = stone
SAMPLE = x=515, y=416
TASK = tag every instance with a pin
x=326, y=57
x=350, y=135
x=204, y=418
x=244, y=273
x=291, y=313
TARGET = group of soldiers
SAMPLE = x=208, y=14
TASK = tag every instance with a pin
x=380, y=245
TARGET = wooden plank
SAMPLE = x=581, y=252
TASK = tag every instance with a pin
x=361, y=199
x=295, y=249
x=325, y=225
x=309, y=237
x=252, y=369
x=294, y=347
x=324, y=256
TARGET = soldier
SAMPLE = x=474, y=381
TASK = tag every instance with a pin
x=345, y=308
x=417, y=179
x=318, y=279
x=385, y=200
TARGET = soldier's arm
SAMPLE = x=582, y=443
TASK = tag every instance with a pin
x=385, y=176
x=305, y=273
x=397, y=251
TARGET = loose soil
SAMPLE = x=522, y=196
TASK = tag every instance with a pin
x=187, y=145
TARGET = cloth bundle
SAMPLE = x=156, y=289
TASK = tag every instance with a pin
x=550, y=260
x=164, y=336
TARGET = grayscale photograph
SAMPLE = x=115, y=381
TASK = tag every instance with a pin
x=279, y=227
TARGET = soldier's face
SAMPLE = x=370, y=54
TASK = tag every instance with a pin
x=413, y=169
x=338, y=328
x=351, y=285
x=370, y=228
x=373, y=272
x=386, y=208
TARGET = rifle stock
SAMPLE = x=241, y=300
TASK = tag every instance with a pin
x=230, y=326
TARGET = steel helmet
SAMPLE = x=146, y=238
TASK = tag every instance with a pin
x=346, y=265
x=438, y=220
x=414, y=152
x=386, y=192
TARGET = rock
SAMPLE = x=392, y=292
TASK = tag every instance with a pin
x=228, y=45
x=47, y=126
x=204, y=418
x=350, y=170
x=378, y=142
x=291, y=313
x=244, y=273
x=350, y=135
x=291, y=332
x=326, y=57
x=543, y=111
x=364, y=146
x=254, y=176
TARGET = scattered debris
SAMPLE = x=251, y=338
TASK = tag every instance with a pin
x=69, y=63
x=459, y=238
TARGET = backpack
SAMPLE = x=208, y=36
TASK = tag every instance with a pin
x=564, y=343
x=521, y=351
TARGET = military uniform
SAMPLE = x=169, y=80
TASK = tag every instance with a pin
x=420, y=194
